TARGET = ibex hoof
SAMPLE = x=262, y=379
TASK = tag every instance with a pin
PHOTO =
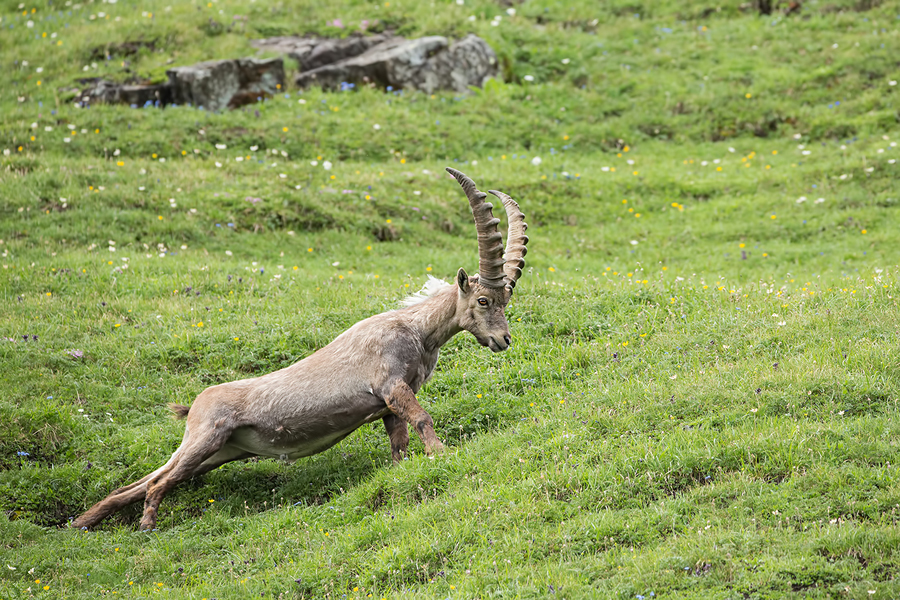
x=434, y=449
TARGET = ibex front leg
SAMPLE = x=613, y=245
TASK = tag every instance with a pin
x=399, y=435
x=402, y=402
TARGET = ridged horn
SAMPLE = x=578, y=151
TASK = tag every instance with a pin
x=514, y=256
x=490, y=242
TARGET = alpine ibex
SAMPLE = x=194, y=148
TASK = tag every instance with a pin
x=371, y=371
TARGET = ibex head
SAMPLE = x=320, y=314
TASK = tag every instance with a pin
x=483, y=297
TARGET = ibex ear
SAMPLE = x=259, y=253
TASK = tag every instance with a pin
x=462, y=280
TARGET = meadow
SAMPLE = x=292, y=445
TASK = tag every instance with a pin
x=701, y=398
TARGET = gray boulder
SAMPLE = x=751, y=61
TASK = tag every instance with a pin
x=467, y=62
x=426, y=64
x=108, y=92
x=219, y=84
x=311, y=52
x=214, y=85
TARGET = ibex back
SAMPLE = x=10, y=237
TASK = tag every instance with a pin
x=371, y=371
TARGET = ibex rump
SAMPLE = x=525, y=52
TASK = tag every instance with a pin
x=371, y=371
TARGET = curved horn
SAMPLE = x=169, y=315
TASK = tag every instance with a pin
x=490, y=242
x=515, y=239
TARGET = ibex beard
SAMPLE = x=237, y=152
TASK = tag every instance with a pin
x=371, y=371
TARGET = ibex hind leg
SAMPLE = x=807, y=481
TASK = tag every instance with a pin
x=117, y=500
x=198, y=454
x=129, y=494
x=137, y=491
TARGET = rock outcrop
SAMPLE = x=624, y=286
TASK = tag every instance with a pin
x=313, y=52
x=102, y=90
x=219, y=84
x=214, y=85
x=426, y=64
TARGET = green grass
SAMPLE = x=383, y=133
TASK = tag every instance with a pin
x=701, y=398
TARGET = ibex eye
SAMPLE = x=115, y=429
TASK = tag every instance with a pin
x=483, y=301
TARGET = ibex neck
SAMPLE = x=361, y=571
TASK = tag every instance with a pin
x=436, y=318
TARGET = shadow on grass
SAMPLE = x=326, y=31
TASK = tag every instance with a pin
x=238, y=489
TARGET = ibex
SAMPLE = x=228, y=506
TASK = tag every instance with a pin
x=371, y=371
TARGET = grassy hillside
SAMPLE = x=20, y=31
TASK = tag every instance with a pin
x=702, y=396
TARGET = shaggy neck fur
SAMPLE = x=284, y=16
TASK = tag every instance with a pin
x=434, y=316
x=431, y=287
